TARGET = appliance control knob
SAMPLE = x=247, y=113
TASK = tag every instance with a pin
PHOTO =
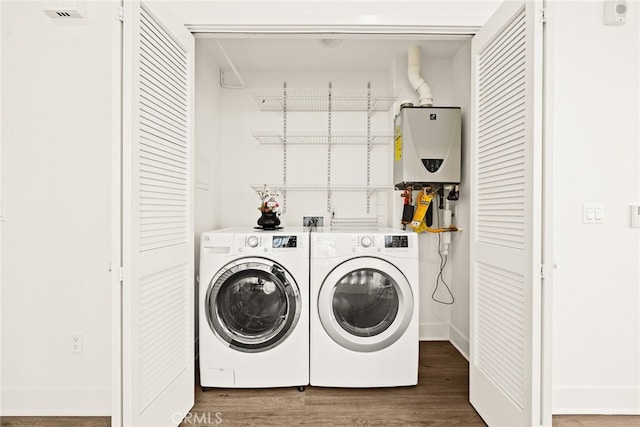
x=366, y=241
x=252, y=241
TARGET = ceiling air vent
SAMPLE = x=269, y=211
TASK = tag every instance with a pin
x=63, y=9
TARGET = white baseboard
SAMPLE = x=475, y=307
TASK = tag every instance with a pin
x=434, y=332
x=56, y=402
x=596, y=400
x=459, y=341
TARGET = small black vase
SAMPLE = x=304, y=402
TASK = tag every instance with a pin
x=269, y=220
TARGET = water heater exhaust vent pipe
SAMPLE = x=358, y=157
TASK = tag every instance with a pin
x=419, y=84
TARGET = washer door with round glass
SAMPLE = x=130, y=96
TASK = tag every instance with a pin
x=253, y=304
x=365, y=304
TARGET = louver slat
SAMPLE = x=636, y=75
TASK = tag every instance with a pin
x=163, y=208
x=163, y=162
x=499, y=317
x=163, y=322
x=500, y=208
x=501, y=171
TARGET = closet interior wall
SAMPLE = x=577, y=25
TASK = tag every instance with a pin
x=241, y=161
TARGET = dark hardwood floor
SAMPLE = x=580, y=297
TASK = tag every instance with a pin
x=440, y=399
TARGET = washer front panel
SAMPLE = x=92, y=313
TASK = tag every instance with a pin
x=253, y=304
x=365, y=304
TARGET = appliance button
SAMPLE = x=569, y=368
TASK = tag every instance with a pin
x=366, y=241
x=253, y=241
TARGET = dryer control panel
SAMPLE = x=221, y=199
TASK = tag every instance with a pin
x=378, y=243
x=401, y=241
x=381, y=241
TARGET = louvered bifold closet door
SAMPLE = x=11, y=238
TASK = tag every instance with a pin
x=506, y=212
x=158, y=314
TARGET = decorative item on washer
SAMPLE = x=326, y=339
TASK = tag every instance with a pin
x=270, y=209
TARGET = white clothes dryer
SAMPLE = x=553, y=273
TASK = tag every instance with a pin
x=364, y=308
x=254, y=308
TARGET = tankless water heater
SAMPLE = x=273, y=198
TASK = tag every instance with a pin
x=427, y=146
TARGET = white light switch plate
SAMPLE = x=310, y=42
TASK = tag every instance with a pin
x=592, y=213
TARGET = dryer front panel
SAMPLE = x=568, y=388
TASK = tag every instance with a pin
x=253, y=304
x=365, y=304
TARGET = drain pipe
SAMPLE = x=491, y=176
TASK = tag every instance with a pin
x=413, y=72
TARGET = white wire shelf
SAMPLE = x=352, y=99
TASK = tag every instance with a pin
x=353, y=188
x=320, y=138
x=318, y=99
x=354, y=222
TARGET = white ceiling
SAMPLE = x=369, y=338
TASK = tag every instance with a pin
x=331, y=13
x=262, y=53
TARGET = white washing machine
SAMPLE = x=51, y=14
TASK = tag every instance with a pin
x=364, y=308
x=254, y=308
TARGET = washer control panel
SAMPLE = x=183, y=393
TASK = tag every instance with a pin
x=278, y=242
x=260, y=243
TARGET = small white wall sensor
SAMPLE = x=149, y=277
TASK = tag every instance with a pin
x=635, y=216
x=615, y=12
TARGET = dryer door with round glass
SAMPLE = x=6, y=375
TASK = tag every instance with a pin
x=253, y=304
x=365, y=304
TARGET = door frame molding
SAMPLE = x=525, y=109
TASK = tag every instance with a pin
x=117, y=249
x=316, y=31
x=345, y=31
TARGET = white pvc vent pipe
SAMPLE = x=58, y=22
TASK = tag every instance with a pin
x=425, y=96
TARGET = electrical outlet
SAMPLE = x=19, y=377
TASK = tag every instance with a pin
x=313, y=221
x=76, y=342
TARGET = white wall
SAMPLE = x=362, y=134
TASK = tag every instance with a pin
x=594, y=92
x=56, y=181
x=56, y=106
x=460, y=242
x=207, y=168
x=207, y=132
x=56, y=77
x=435, y=317
x=243, y=161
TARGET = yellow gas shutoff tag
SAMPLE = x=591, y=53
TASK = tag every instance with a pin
x=423, y=202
